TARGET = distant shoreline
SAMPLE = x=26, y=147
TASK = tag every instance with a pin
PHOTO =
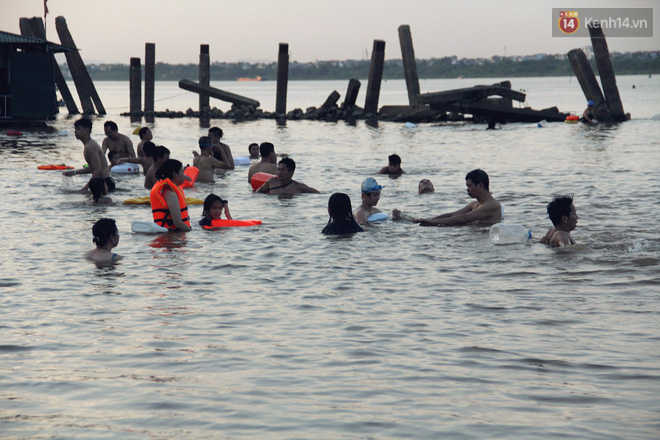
x=637, y=63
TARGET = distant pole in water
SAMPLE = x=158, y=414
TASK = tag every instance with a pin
x=149, y=80
x=375, y=77
x=409, y=63
x=205, y=80
x=135, y=86
x=589, y=84
x=606, y=73
x=282, y=78
x=351, y=94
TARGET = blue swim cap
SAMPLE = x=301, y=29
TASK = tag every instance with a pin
x=590, y=103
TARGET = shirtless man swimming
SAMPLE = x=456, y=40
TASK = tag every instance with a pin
x=486, y=210
x=268, y=162
x=215, y=133
x=283, y=183
x=564, y=217
x=161, y=154
x=116, y=141
x=98, y=165
x=393, y=167
x=370, y=197
x=206, y=163
x=145, y=136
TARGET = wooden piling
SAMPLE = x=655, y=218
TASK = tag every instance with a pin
x=34, y=27
x=149, y=80
x=135, y=86
x=606, y=73
x=375, y=77
x=192, y=86
x=409, y=63
x=351, y=94
x=282, y=78
x=589, y=84
x=330, y=101
x=204, y=80
x=81, y=78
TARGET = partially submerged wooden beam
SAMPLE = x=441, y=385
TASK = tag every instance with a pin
x=606, y=73
x=149, y=80
x=471, y=94
x=204, y=80
x=590, y=88
x=192, y=86
x=409, y=63
x=34, y=27
x=81, y=78
x=330, y=101
x=502, y=113
x=282, y=78
x=351, y=93
x=135, y=87
x=375, y=77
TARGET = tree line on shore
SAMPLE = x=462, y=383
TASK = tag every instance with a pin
x=436, y=68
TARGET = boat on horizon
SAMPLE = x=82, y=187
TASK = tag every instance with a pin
x=256, y=78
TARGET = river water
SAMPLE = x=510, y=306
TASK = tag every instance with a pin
x=399, y=332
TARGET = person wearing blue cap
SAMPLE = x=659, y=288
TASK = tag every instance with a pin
x=588, y=114
x=367, y=211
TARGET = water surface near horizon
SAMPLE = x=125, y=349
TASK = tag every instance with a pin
x=397, y=332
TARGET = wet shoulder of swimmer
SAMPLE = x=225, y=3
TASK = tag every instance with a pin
x=105, y=237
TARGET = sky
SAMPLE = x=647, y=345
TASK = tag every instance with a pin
x=113, y=31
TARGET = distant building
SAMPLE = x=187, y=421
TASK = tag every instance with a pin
x=27, y=78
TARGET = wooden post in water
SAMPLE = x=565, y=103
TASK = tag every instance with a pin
x=282, y=78
x=589, y=84
x=375, y=77
x=409, y=63
x=135, y=85
x=34, y=27
x=81, y=78
x=351, y=94
x=204, y=80
x=149, y=80
x=606, y=73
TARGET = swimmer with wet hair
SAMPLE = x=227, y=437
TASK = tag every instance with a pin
x=214, y=206
x=393, y=167
x=253, y=150
x=425, y=186
x=563, y=215
x=106, y=237
x=99, y=189
x=341, y=216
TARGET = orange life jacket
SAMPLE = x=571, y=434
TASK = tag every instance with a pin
x=161, y=213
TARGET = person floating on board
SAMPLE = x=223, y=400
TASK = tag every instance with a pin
x=116, y=141
x=168, y=202
x=268, y=162
x=105, y=237
x=206, y=163
x=284, y=183
x=563, y=215
x=393, y=167
x=370, y=197
x=588, y=113
x=485, y=210
x=145, y=136
x=341, y=216
x=215, y=133
x=161, y=154
x=214, y=206
x=97, y=164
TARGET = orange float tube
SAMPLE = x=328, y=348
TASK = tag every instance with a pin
x=224, y=223
x=259, y=179
x=54, y=167
x=191, y=172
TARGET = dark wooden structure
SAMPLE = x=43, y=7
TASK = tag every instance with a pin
x=351, y=94
x=135, y=89
x=192, y=86
x=204, y=80
x=282, y=78
x=27, y=78
x=375, y=77
x=149, y=80
x=589, y=84
x=409, y=63
x=606, y=73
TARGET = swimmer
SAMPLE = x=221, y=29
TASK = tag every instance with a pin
x=145, y=136
x=341, y=216
x=146, y=160
x=113, y=158
x=370, y=197
x=206, y=163
x=268, y=162
x=161, y=154
x=588, y=114
x=253, y=149
x=215, y=133
x=106, y=237
x=284, y=183
x=99, y=190
x=486, y=210
x=168, y=201
x=213, y=209
x=116, y=141
x=425, y=186
x=393, y=167
x=563, y=216
x=93, y=154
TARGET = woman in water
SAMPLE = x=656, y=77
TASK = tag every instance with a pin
x=213, y=208
x=106, y=237
x=99, y=189
x=341, y=216
x=168, y=202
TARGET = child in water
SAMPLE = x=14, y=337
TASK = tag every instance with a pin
x=99, y=189
x=213, y=208
x=341, y=216
x=106, y=237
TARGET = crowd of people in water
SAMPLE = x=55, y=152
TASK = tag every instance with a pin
x=164, y=178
